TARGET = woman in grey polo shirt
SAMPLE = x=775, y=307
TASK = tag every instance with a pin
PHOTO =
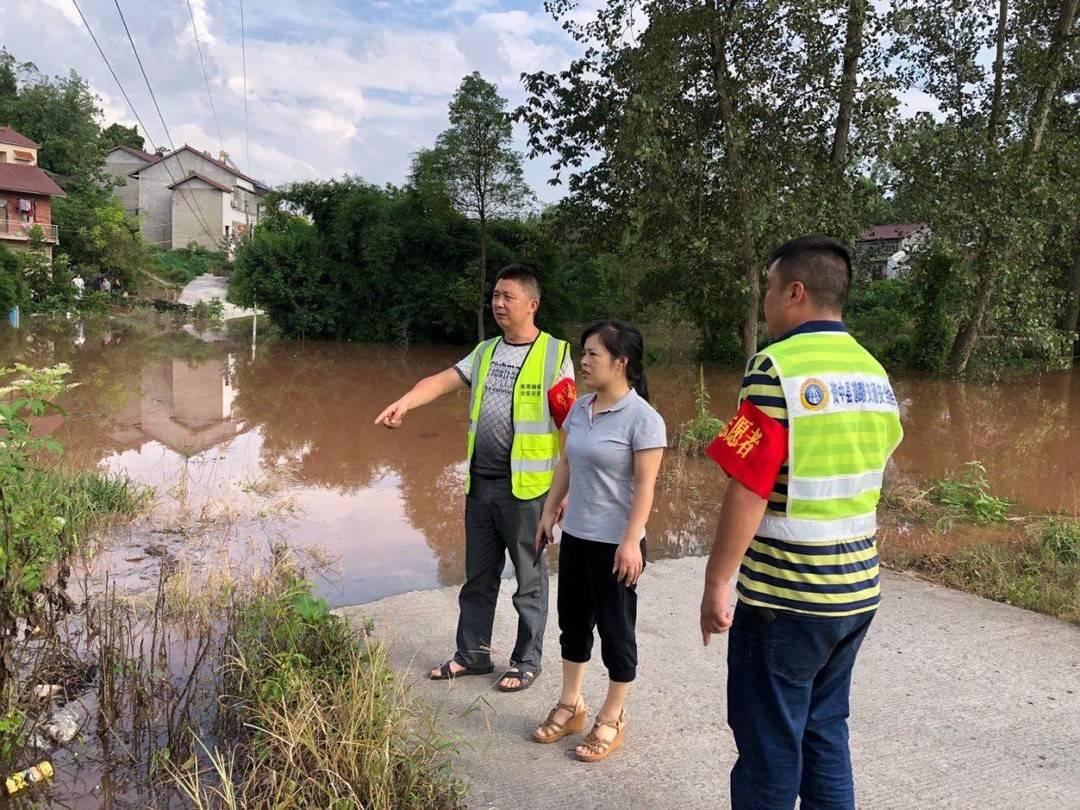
x=614, y=443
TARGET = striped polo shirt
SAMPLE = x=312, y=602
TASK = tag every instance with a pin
x=830, y=580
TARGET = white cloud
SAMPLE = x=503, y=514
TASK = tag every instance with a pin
x=332, y=89
x=916, y=101
x=467, y=7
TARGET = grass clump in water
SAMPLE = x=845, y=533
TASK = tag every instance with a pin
x=1042, y=573
x=315, y=716
x=967, y=498
x=698, y=433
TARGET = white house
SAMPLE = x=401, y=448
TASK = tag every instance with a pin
x=188, y=196
x=885, y=251
x=120, y=162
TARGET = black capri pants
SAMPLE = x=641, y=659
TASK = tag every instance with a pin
x=590, y=596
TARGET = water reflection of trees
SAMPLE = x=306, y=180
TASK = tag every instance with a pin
x=315, y=404
x=1026, y=432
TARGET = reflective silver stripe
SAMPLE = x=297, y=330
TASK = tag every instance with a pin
x=800, y=530
x=472, y=426
x=533, y=428
x=840, y=486
x=533, y=465
x=476, y=386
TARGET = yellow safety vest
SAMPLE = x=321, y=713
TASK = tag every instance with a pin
x=534, y=453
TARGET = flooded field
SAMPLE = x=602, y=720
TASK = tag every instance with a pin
x=217, y=423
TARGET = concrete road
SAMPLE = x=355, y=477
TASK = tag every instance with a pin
x=209, y=287
x=958, y=702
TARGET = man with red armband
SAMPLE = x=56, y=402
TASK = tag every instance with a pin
x=522, y=389
x=816, y=424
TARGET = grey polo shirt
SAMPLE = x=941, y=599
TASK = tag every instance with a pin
x=600, y=449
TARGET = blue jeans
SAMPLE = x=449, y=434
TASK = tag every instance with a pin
x=789, y=678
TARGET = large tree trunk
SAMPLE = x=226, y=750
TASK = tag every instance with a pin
x=733, y=161
x=969, y=332
x=968, y=335
x=852, y=51
x=999, y=75
x=482, y=303
x=1055, y=59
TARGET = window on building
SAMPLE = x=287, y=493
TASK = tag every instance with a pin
x=3, y=157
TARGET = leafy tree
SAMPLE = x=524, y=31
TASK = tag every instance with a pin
x=474, y=165
x=695, y=135
x=994, y=173
x=119, y=135
x=12, y=291
x=60, y=113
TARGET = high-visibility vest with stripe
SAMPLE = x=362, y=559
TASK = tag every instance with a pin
x=534, y=452
x=843, y=425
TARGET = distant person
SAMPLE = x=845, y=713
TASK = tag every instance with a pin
x=816, y=424
x=522, y=387
x=106, y=285
x=80, y=286
x=615, y=441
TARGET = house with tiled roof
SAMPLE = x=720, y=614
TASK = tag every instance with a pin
x=26, y=193
x=885, y=251
x=120, y=162
x=187, y=196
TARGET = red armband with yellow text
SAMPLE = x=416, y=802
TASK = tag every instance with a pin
x=561, y=399
x=752, y=448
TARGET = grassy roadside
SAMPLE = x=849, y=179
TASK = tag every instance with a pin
x=312, y=715
x=1034, y=565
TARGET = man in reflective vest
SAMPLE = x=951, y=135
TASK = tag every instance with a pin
x=522, y=388
x=816, y=424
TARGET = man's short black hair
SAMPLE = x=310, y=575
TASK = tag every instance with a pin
x=523, y=276
x=823, y=266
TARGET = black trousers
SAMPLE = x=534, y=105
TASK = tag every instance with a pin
x=591, y=597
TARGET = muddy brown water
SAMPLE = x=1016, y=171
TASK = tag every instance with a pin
x=212, y=418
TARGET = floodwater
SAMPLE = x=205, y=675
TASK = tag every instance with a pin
x=211, y=419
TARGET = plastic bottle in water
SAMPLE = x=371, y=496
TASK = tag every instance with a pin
x=31, y=776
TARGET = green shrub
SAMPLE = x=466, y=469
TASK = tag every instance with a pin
x=1059, y=539
x=184, y=265
x=209, y=313
x=698, y=433
x=967, y=497
x=879, y=317
x=314, y=716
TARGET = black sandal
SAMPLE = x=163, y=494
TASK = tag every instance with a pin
x=525, y=676
x=447, y=674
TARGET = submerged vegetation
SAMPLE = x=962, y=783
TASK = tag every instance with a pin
x=1034, y=565
x=1040, y=571
x=231, y=684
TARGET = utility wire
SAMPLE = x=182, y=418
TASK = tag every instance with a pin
x=243, y=57
x=214, y=239
x=206, y=77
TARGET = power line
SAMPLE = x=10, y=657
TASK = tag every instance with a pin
x=161, y=118
x=243, y=57
x=116, y=78
x=202, y=62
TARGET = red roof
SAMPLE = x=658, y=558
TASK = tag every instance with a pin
x=27, y=180
x=899, y=230
x=149, y=157
x=8, y=135
x=204, y=178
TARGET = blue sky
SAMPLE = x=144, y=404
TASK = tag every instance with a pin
x=334, y=86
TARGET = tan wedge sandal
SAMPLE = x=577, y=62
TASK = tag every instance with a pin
x=599, y=748
x=575, y=725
